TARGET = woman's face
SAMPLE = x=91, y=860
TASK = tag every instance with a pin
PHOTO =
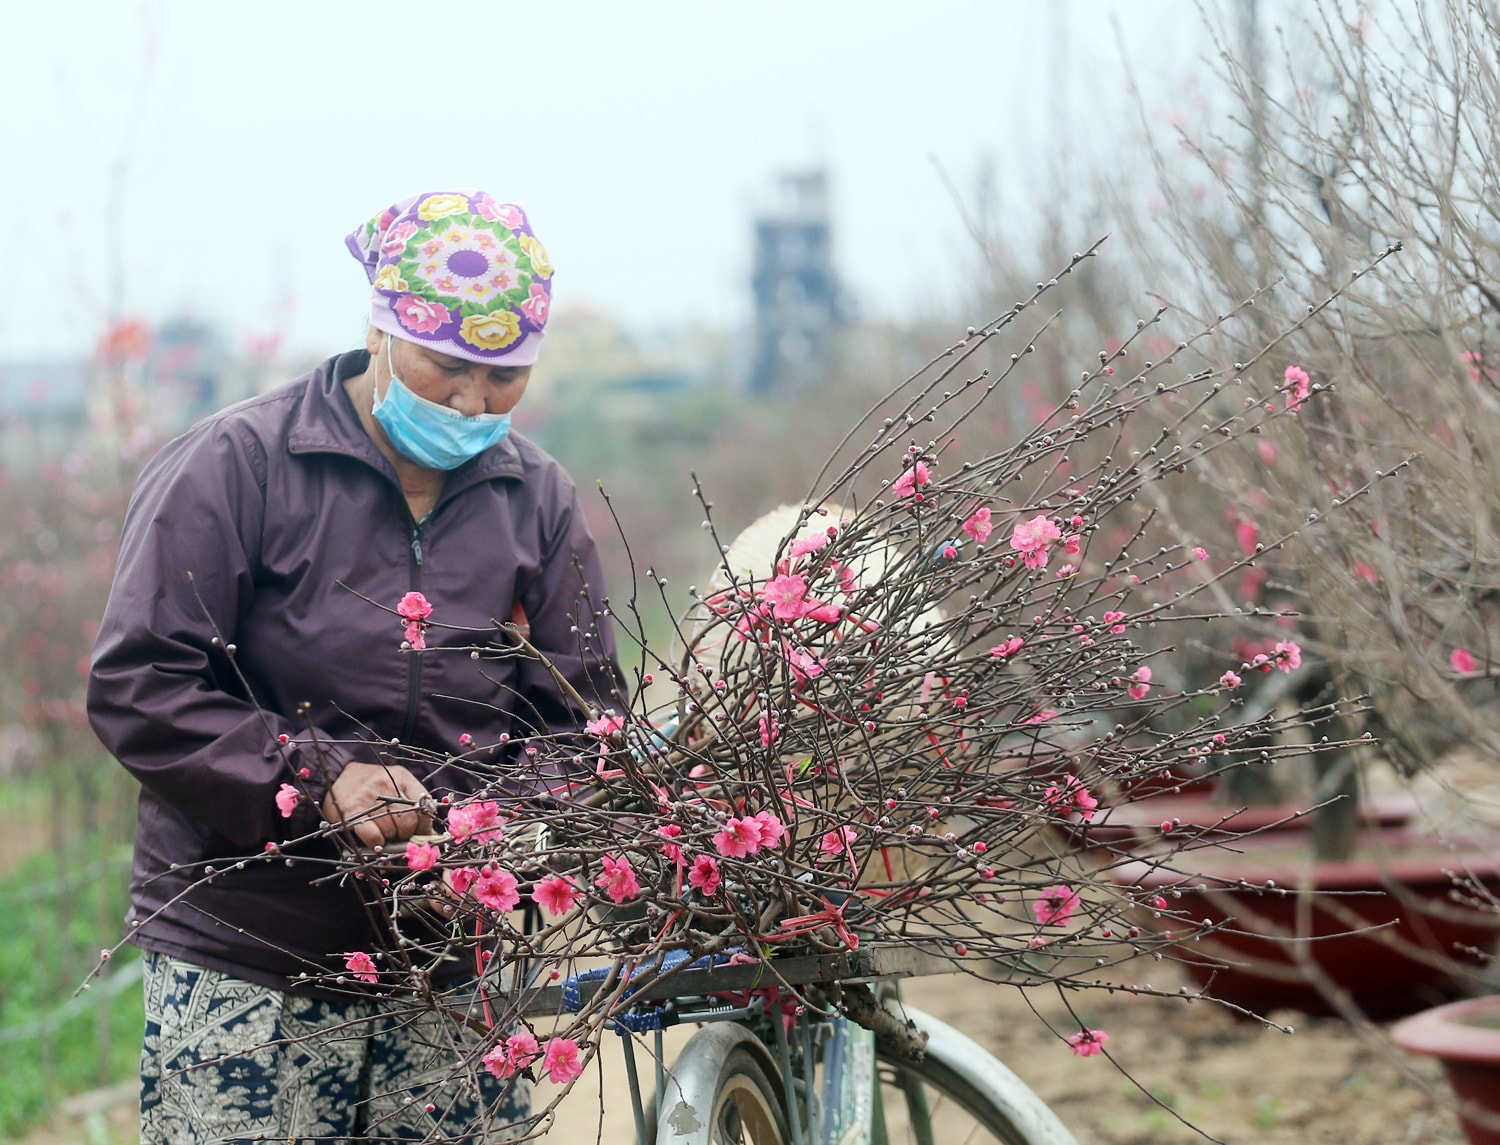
x=470, y=388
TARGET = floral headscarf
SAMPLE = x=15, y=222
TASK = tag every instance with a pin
x=458, y=272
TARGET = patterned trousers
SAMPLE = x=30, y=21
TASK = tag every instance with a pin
x=228, y=1061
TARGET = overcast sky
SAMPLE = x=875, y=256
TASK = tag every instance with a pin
x=239, y=142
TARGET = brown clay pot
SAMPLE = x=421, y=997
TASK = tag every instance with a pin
x=1381, y=931
x=1465, y=1037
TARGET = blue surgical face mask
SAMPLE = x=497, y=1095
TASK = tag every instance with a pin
x=433, y=436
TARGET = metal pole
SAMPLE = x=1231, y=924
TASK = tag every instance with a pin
x=788, y=1079
x=635, y=1091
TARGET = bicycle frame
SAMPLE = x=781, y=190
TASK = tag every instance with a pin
x=845, y=1110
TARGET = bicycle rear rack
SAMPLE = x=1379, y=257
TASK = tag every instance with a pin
x=868, y=964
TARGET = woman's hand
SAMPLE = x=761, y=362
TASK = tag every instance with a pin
x=379, y=804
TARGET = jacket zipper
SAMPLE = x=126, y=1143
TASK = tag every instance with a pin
x=414, y=673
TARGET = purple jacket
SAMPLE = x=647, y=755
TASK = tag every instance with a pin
x=274, y=525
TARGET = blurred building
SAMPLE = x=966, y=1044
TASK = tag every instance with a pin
x=192, y=357
x=797, y=300
x=141, y=382
x=43, y=409
x=597, y=370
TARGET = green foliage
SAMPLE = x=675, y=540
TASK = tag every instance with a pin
x=61, y=904
x=1268, y=1111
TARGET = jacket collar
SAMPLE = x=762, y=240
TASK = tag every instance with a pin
x=325, y=422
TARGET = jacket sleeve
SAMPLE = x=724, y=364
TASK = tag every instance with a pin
x=565, y=607
x=163, y=695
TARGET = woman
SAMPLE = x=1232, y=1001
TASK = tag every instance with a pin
x=251, y=647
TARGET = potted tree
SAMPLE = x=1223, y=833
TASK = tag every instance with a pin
x=1465, y=1036
x=1392, y=597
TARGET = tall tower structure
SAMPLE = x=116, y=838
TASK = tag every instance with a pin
x=796, y=294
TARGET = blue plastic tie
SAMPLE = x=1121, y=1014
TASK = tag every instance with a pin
x=638, y=1019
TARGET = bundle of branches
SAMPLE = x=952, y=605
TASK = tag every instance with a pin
x=888, y=717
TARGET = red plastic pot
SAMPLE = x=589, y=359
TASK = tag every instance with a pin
x=1465, y=1037
x=1381, y=930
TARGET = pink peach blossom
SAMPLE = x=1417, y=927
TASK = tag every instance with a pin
x=771, y=828
x=555, y=894
x=618, y=879
x=801, y=546
x=738, y=838
x=1462, y=660
x=979, y=525
x=822, y=613
x=838, y=841
x=1142, y=683
x=1288, y=655
x=478, y=819
x=1006, y=649
x=287, y=798
x=1296, y=378
x=1087, y=1043
x=361, y=965
x=509, y=1057
x=805, y=666
x=672, y=851
x=523, y=1048
x=1246, y=534
x=561, y=1064
x=770, y=730
x=911, y=480
x=704, y=874
x=605, y=725
x=1070, y=796
x=461, y=879
x=1033, y=539
x=414, y=606
x=422, y=856
x=497, y=1062
x=1055, y=906
x=497, y=890
x=786, y=594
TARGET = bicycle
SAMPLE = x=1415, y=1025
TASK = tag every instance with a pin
x=776, y=1064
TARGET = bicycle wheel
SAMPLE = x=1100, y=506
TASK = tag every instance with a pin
x=958, y=1094
x=721, y=1092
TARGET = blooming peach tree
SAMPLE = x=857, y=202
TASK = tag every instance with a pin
x=1333, y=169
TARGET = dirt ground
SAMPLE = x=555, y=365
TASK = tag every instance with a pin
x=1324, y=1083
